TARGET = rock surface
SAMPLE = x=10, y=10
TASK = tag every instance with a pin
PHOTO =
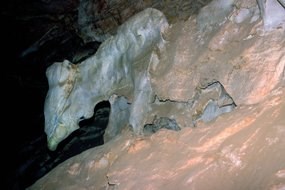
x=35, y=160
x=120, y=66
x=43, y=32
x=242, y=149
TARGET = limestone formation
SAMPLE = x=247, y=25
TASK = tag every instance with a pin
x=198, y=76
x=216, y=13
x=272, y=12
x=159, y=123
x=211, y=101
x=119, y=67
x=119, y=116
x=119, y=72
x=188, y=83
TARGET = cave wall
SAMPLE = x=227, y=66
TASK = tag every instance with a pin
x=98, y=19
x=43, y=32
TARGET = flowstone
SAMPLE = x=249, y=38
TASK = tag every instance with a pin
x=272, y=12
x=120, y=72
x=120, y=66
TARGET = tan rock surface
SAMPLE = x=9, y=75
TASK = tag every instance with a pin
x=245, y=62
x=240, y=150
x=243, y=149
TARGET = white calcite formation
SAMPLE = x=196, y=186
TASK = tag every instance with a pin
x=273, y=13
x=171, y=80
x=216, y=13
x=199, y=74
x=119, y=67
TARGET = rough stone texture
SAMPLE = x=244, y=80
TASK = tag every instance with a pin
x=211, y=101
x=273, y=13
x=68, y=100
x=119, y=67
x=215, y=13
x=239, y=150
x=99, y=19
x=240, y=57
x=161, y=123
x=120, y=113
x=47, y=31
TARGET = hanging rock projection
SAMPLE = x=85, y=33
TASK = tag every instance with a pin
x=119, y=67
x=119, y=72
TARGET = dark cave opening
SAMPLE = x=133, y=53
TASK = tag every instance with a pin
x=34, y=160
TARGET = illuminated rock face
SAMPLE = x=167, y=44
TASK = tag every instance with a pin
x=137, y=65
x=217, y=11
x=200, y=71
x=120, y=67
x=272, y=12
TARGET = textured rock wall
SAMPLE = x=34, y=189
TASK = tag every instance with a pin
x=272, y=12
x=221, y=51
x=239, y=150
x=119, y=67
x=239, y=57
x=98, y=19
